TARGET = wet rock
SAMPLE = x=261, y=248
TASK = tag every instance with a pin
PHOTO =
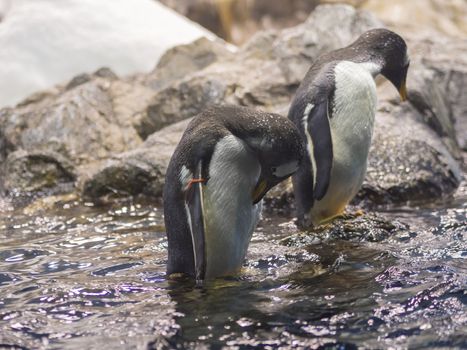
x=367, y=227
x=123, y=177
x=408, y=161
x=76, y=127
x=80, y=124
x=37, y=171
x=138, y=172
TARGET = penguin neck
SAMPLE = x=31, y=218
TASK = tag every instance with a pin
x=372, y=67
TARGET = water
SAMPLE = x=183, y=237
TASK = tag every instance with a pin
x=80, y=277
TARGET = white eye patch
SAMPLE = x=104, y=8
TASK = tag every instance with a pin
x=285, y=169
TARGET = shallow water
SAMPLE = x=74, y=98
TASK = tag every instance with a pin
x=81, y=277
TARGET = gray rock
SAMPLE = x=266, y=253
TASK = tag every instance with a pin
x=179, y=101
x=437, y=84
x=138, y=172
x=78, y=80
x=264, y=73
x=116, y=135
x=46, y=172
x=408, y=162
x=356, y=228
x=80, y=124
x=182, y=60
x=76, y=127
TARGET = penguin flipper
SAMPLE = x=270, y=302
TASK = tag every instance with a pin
x=318, y=131
x=195, y=211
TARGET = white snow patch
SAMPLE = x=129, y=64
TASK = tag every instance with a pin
x=45, y=42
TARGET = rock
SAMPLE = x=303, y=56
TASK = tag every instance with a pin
x=408, y=161
x=80, y=124
x=76, y=37
x=94, y=117
x=43, y=138
x=179, y=101
x=367, y=227
x=264, y=73
x=182, y=60
x=116, y=135
x=78, y=80
x=437, y=81
x=27, y=172
x=138, y=172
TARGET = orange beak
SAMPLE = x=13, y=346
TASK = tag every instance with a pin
x=403, y=91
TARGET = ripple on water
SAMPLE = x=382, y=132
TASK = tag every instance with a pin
x=89, y=277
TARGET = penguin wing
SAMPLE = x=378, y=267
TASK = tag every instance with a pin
x=195, y=215
x=317, y=129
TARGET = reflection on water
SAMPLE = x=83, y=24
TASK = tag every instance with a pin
x=83, y=277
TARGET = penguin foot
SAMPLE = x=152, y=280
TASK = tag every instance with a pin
x=351, y=215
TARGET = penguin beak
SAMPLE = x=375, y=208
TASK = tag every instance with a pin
x=403, y=91
x=398, y=78
x=261, y=188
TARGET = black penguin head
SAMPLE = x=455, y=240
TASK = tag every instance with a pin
x=280, y=153
x=390, y=51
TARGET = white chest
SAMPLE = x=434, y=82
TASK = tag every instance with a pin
x=351, y=130
x=354, y=107
x=230, y=216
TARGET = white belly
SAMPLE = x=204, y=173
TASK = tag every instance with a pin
x=229, y=214
x=351, y=130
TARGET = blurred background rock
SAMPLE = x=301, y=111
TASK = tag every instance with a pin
x=237, y=20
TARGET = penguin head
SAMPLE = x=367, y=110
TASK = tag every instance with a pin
x=390, y=51
x=280, y=152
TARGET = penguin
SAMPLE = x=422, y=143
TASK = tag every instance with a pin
x=228, y=158
x=334, y=109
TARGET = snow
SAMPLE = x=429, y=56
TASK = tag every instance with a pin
x=46, y=42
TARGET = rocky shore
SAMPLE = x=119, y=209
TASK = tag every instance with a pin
x=103, y=137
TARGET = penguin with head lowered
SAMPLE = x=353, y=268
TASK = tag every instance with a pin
x=226, y=161
x=334, y=109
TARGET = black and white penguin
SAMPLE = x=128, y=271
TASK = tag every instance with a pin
x=334, y=109
x=226, y=161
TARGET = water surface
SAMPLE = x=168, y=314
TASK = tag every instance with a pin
x=83, y=277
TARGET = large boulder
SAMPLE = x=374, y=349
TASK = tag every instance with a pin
x=62, y=131
x=437, y=84
x=408, y=161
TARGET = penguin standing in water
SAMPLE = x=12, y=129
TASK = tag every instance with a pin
x=334, y=109
x=226, y=161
